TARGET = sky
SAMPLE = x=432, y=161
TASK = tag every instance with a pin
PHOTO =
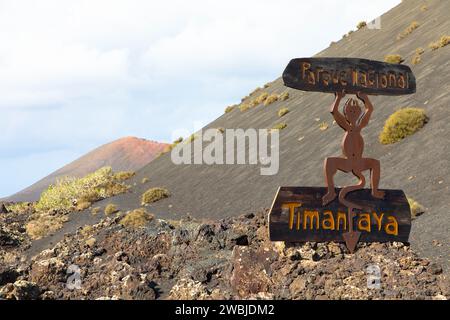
x=77, y=74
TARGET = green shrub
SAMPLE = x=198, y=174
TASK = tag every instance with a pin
x=361, y=25
x=393, y=58
x=271, y=99
x=154, y=194
x=279, y=126
x=282, y=112
x=110, y=209
x=137, y=218
x=401, y=124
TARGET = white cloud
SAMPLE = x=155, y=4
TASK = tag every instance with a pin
x=76, y=74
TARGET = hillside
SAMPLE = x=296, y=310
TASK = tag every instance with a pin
x=125, y=154
x=419, y=164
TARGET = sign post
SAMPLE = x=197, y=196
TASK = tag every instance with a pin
x=351, y=213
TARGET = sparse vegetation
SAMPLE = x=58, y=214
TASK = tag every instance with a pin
x=229, y=109
x=424, y=8
x=44, y=224
x=137, y=218
x=416, y=208
x=361, y=25
x=82, y=205
x=393, y=58
x=67, y=192
x=19, y=207
x=86, y=231
x=154, y=194
x=284, y=96
x=279, y=126
x=95, y=210
x=145, y=180
x=413, y=26
x=71, y=194
x=221, y=130
x=282, y=112
x=271, y=99
x=244, y=107
x=110, y=209
x=262, y=98
x=416, y=59
x=323, y=126
x=442, y=42
x=124, y=175
x=402, y=123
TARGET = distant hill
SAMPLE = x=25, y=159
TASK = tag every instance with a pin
x=125, y=154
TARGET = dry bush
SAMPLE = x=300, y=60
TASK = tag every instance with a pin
x=229, y=108
x=261, y=98
x=361, y=25
x=43, y=225
x=442, y=42
x=271, y=99
x=244, y=107
x=137, y=218
x=413, y=26
x=416, y=59
x=393, y=58
x=124, y=175
x=86, y=231
x=282, y=112
x=279, y=126
x=95, y=210
x=83, y=205
x=110, y=209
x=154, y=194
x=416, y=208
x=145, y=180
x=284, y=96
x=402, y=124
x=323, y=126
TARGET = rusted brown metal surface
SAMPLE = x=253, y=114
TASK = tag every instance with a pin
x=353, y=120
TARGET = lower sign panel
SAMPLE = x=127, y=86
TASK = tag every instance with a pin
x=297, y=215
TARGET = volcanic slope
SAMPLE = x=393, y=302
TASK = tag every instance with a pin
x=418, y=164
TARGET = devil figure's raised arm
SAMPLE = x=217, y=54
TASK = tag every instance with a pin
x=338, y=116
x=369, y=109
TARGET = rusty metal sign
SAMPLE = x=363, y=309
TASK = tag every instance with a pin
x=351, y=213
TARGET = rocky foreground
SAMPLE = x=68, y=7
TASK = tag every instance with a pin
x=226, y=259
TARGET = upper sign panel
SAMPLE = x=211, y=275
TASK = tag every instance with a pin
x=349, y=74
